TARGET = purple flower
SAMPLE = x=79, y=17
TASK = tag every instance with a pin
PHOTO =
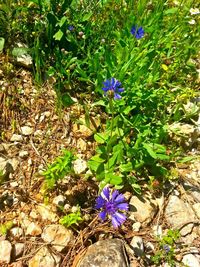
x=70, y=27
x=166, y=248
x=138, y=32
x=110, y=204
x=112, y=87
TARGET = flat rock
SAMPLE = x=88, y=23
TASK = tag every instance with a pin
x=178, y=213
x=59, y=200
x=196, y=208
x=17, y=232
x=5, y=169
x=110, y=252
x=143, y=209
x=57, y=235
x=137, y=245
x=33, y=229
x=23, y=154
x=80, y=166
x=5, y=251
x=26, y=130
x=18, y=249
x=190, y=260
x=16, y=138
x=46, y=213
x=44, y=258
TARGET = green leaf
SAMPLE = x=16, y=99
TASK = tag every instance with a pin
x=97, y=158
x=19, y=51
x=150, y=150
x=67, y=100
x=113, y=179
x=62, y=21
x=100, y=138
x=128, y=167
x=87, y=16
x=186, y=159
x=58, y=36
x=2, y=42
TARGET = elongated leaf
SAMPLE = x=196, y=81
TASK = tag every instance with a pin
x=58, y=36
x=150, y=150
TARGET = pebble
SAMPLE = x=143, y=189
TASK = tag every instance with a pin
x=80, y=166
x=57, y=235
x=44, y=258
x=46, y=213
x=33, y=229
x=18, y=249
x=23, y=154
x=5, y=251
x=59, y=200
x=190, y=260
x=16, y=138
x=26, y=130
x=137, y=245
x=143, y=209
x=17, y=232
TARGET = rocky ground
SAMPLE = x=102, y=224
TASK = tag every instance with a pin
x=33, y=132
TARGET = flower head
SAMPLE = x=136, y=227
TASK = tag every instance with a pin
x=194, y=11
x=110, y=204
x=166, y=248
x=112, y=87
x=70, y=27
x=138, y=32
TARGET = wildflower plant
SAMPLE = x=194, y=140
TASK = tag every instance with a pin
x=111, y=204
x=138, y=32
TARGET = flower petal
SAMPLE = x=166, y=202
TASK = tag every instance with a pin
x=115, y=222
x=120, y=198
x=122, y=206
x=102, y=215
x=114, y=195
x=106, y=193
x=117, y=96
x=100, y=202
x=120, y=217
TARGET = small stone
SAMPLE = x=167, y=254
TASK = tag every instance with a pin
x=157, y=230
x=26, y=130
x=137, y=245
x=80, y=166
x=16, y=138
x=143, y=209
x=5, y=169
x=38, y=133
x=178, y=213
x=18, y=249
x=14, y=184
x=5, y=251
x=14, y=162
x=110, y=252
x=46, y=213
x=190, y=260
x=33, y=214
x=17, y=232
x=136, y=226
x=67, y=207
x=58, y=236
x=33, y=229
x=149, y=247
x=59, y=200
x=81, y=144
x=23, y=154
x=44, y=258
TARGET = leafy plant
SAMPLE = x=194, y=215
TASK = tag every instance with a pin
x=58, y=169
x=4, y=228
x=70, y=219
x=166, y=248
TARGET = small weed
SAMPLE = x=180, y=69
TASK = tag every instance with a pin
x=58, y=169
x=166, y=248
x=4, y=228
x=70, y=219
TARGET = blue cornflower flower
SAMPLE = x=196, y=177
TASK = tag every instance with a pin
x=166, y=248
x=110, y=204
x=70, y=27
x=112, y=86
x=138, y=32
